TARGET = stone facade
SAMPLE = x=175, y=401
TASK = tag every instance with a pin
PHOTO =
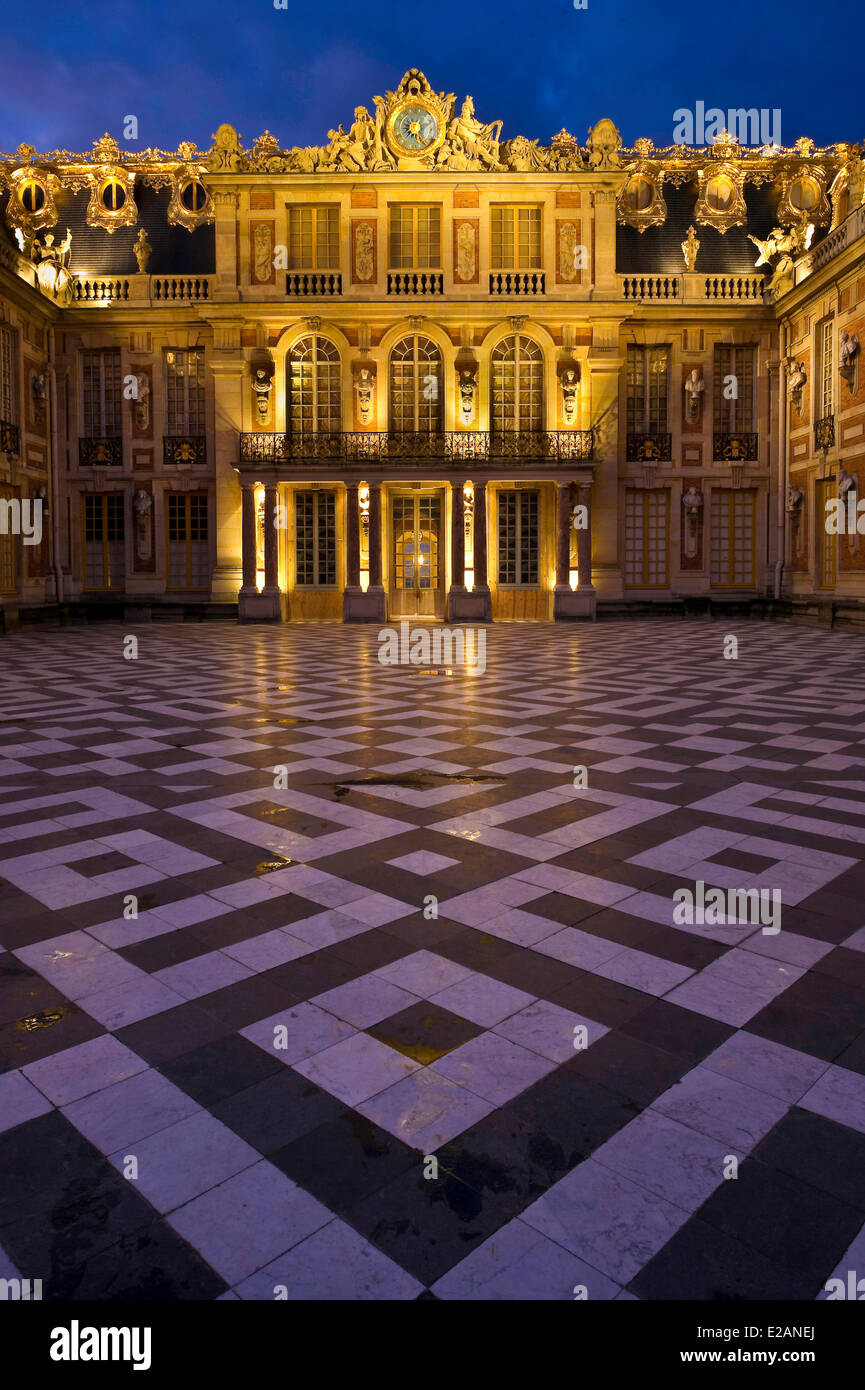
x=424, y=371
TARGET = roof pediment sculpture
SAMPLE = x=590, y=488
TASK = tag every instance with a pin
x=780, y=250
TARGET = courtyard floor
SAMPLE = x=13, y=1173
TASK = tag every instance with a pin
x=286, y=1076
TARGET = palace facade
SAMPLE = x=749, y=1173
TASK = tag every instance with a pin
x=425, y=371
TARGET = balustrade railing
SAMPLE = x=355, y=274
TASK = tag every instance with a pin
x=322, y=284
x=415, y=282
x=518, y=282
x=100, y=451
x=735, y=447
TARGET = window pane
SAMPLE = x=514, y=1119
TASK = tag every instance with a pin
x=8, y=358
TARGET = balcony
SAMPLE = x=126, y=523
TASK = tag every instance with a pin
x=415, y=282
x=320, y=284
x=457, y=446
x=99, y=290
x=184, y=449
x=650, y=448
x=735, y=448
x=518, y=282
x=655, y=287
x=100, y=451
x=10, y=439
x=824, y=433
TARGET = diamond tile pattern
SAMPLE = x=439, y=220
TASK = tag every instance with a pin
x=421, y=1019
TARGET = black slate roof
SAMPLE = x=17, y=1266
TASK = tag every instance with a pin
x=658, y=250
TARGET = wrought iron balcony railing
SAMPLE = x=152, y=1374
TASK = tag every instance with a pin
x=10, y=439
x=184, y=448
x=650, y=448
x=104, y=451
x=452, y=445
x=824, y=432
x=735, y=448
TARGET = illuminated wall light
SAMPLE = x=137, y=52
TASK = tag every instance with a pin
x=469, y=579
x=573, y=578
x=364, y=580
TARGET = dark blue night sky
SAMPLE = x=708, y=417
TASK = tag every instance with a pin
x=70, y=72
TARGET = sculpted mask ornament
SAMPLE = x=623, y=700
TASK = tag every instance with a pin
x=694, y=388
x=692, y=505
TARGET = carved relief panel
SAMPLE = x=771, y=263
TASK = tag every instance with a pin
x=466, y=269
x=261, y=266
x=570, y=253
x=364, y=254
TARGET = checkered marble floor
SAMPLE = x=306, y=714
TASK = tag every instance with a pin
x=321, y=979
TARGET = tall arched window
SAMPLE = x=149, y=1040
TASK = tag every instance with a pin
x=517, y=385
x=416, y=387
x=314, y=387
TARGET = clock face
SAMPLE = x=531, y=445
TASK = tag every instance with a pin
x=415, y=129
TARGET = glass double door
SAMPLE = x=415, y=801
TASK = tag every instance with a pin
x=417, y=579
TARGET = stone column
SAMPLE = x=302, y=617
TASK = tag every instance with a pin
x=247, y=531
x=584, y=544
x=270, y=599
x=581, y=603
x=225, y=237
x=357, y=606
x=563, y=536
x=458, y=551
x=481, y=590
x=604, y=268
x=352, y=539
x=374, y=537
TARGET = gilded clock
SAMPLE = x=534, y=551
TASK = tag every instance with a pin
x=414, y=129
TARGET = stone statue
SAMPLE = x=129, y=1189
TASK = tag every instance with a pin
x=142, y=251
x=847, y=352
x=226, y=153
x=476, y=141
x=52, y=265
x=694, y=388
x=365, y=393
x=795, y=498
x=604, y=143
x=142, y=505
x=796, y=379
x=570, y=386
x=262, y=385
x=142, y=401
x=846, y=483
x=467, y=386
x=780, y=250
x=692, y=504
x=690, y=247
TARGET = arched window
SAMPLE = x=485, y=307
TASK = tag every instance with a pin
x=517, y=385
x=314, y=387
x=416, y=387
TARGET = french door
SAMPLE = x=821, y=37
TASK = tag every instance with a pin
x=417, y=587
